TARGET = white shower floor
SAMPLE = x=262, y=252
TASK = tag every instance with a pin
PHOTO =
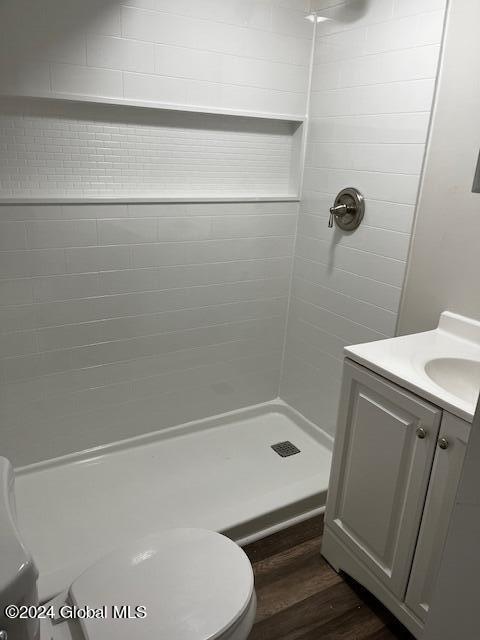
x=220, y=474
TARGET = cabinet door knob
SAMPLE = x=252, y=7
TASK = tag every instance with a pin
x=421, y=433
x=443, y=443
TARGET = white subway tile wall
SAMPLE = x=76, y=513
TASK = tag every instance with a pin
x=372, y=88
x=117, y=320
x=55, y=149
x=225, y=54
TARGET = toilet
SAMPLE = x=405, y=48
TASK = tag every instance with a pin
x=177, y=584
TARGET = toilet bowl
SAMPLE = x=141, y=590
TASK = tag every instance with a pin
x=177, y=584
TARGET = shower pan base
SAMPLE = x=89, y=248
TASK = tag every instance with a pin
x=219, y=474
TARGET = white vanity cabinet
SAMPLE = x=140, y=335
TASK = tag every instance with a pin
x=447, y=466
x=391, y=491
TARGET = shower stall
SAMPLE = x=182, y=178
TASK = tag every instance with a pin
x=173, y=302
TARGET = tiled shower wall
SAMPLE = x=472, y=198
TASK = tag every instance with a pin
x=210, y=54
x=228, y=54
x=117, y=320
x=372, y=88
x=77, y=150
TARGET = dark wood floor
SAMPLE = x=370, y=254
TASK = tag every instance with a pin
x=300, y=597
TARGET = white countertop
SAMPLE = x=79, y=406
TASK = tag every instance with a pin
x=402, y=360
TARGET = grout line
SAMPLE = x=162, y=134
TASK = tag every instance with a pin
x=379, y=255
x=322, y=351
x=133, y=380
x=366, y=143
x=294, y=92
x=194, y=286
x=106, y=319
x=365, y=226
x=95, y=275
x=393, y=18
x=399, y=263
x=340, y=291
x=372, y=84
x=346, y=295
x=154, y=244
x=350, y=273
x=371, y=115
x=196, y=49
x=306, y=322
x=181, y=332
x=338, y=315
x=326, y=193
x=132, y=293
x=158, y=313
x=324, y=217
x=386, y=173
x=123, y=72
x=117, y=362
x=380, y=53
x=152, y=268
x=344, y=171
x=243, y=27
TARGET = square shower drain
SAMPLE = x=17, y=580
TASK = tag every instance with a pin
x=285, y=449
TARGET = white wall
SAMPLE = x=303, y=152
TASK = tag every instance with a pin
x=236, y=54
x=372, y=89
x=117, y=320
x=443, y=274
x=444, y=265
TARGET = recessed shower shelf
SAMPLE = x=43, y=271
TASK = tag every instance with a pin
x=108, y=150
x=103, y=199
x=163, y=106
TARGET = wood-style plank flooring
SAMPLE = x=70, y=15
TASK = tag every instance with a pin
x=300, y=597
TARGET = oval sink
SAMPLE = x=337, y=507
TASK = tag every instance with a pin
x=458, y=376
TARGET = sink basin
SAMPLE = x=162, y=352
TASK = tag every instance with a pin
x=441, y=365
x=458, y=376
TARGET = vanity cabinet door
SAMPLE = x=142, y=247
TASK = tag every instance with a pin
x=447, y=467
x=384, y=447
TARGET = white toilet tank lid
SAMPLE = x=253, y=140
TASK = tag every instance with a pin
x=194, y=584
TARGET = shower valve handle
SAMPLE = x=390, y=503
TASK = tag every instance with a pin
x=338, y=210
x=347, y=211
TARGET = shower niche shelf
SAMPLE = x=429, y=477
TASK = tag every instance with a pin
x=163, y=106
x=128, y=151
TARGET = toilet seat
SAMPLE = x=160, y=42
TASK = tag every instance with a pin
x=195, y=585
